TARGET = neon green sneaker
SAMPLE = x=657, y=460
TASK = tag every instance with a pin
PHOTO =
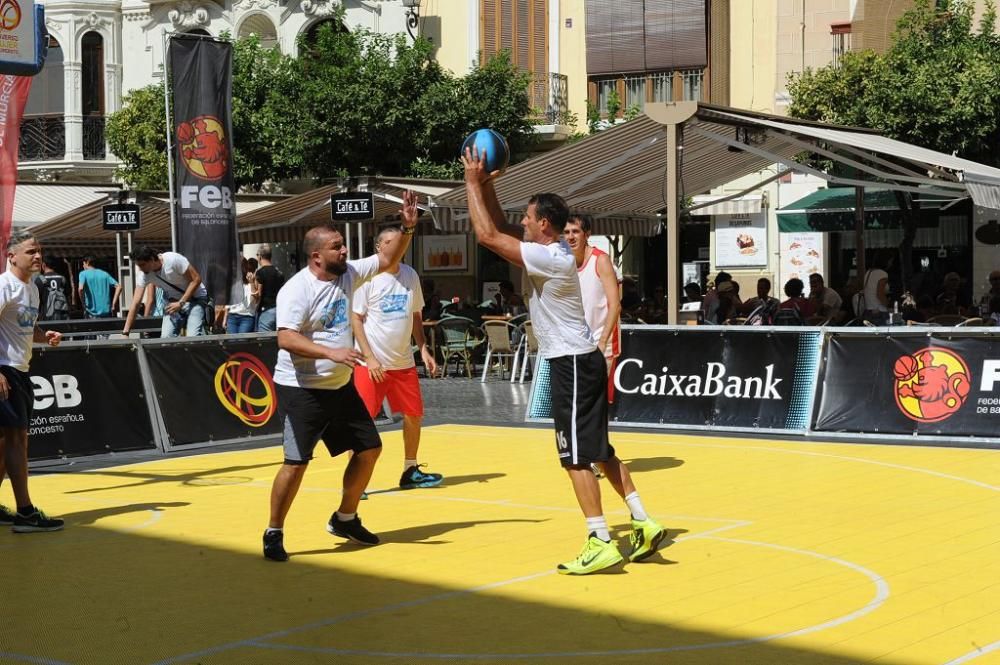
x=596, y=555
x=645, y=538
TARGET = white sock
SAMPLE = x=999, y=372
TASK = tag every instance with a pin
x=409, y=463
x=272, y=529
x=599, y=527
x=635, y=506
x=345, y=517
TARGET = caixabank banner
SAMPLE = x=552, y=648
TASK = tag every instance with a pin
x=911, y=384
x=215, y=390
x=87, y=401
x=690, y=377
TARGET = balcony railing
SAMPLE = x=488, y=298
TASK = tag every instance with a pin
x=93, y=137
x=43, y=138
x=550, y=99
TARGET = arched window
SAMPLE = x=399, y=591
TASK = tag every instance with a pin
x=313, y=30
x=47, y=89
x=263, y=27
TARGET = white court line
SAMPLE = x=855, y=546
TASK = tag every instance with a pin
x=881, y=594
x=981, y=651
x=6, y=655
x=738, y=447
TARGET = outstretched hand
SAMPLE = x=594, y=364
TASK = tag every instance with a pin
x=475, y=166
x=409, y=211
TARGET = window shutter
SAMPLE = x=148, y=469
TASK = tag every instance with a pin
x=615, y=36
x=539, y=35
x=676, y=34
x=489, y=37
x=519, y=26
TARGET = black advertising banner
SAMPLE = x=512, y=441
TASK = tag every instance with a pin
x=87, y=401
x=696, y=378
x=201, y=87
x=911, y=384
x=215, y=390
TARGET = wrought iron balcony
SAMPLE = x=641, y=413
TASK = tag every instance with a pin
x=93, y=137
x=550, y=99
x=43, y=138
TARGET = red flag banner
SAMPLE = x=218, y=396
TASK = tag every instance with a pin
x=13, y=95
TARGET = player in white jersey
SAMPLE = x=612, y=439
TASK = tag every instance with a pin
x=18, y=314
x=386, y=315
x=578, y=370
x=316, y=397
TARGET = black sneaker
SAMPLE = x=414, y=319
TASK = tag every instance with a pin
x=36, y=521
x=274, y=546
x=414, y=477
x=6, y=516
x=352, y=530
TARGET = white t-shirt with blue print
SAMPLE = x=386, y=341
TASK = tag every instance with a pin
x=18, y=313
x=320, y=311
x=388, y=302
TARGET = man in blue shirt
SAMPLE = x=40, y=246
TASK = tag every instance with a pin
x=95, y=290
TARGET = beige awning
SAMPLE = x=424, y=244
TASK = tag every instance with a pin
x=36, y=202
x=704, y=204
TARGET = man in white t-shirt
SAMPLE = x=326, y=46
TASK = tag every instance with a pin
x=186, y=295
x=18, y=330
x=316, y=397
x=385, y=315
x=577, y=369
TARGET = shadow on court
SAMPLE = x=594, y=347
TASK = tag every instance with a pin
x=449, y=481
x=86, y=517
x=416, y=535
x=156, y=600
x=644, y=464
x=201, y=476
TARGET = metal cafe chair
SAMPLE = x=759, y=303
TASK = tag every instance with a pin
x=500, y=346
x=946, y=319
x=458, y=339
x=529, y=348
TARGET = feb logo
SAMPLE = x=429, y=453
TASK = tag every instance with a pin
x=245, y=388
x=931, y=385
x=202, y=144
x=10, y=14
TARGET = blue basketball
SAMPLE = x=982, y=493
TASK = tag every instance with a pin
x=495, y=146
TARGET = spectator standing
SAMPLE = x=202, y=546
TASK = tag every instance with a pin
x=872, y=301
x=240, y=316
x=96, y=288
x=384, y=316
x=187, y=298
x=18, y=330
x=710, y=303
x=52, y=292
x=269, y=281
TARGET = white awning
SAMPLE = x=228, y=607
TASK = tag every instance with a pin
x=705, y=204
x=35, y=203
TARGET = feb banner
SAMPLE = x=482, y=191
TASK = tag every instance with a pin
x=205, y=210
x=692, y=378
x=215, y=390
x=911, y=384
x=13, y=96
x=87, y=401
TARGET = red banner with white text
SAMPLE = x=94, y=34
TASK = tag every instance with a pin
x=13, y=95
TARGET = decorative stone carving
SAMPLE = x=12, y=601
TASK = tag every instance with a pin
x=245, y=5
x=95, y=21
x=45, y=175
x=320, y=8
x=188, y=15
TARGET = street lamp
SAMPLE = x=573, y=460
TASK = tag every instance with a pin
x=412, y=17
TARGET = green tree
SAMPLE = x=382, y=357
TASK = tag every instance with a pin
x=938, y=86
x=137, y=135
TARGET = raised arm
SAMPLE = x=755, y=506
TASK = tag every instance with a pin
x=485, y=214
x=409, y=213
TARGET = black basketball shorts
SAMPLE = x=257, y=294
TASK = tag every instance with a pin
x=16, y=410
x=579, y=387
x=338, y=416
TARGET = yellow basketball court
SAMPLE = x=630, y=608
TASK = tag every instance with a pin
x=779, y=552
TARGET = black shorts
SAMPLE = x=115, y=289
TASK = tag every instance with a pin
x=339, y=417
x=580, y=408
x=16, y=410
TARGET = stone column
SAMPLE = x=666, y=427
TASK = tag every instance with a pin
x=73, y=102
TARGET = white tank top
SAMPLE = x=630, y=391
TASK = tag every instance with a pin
x=595, y=304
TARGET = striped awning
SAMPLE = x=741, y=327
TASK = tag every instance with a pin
x=704, y=204
x=456, y=220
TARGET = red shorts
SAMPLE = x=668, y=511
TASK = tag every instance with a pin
x=401, y=386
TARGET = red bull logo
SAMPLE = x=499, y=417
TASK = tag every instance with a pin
x=931, y=385
x=10, y=14
x=245, y=388
x=202, y=145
